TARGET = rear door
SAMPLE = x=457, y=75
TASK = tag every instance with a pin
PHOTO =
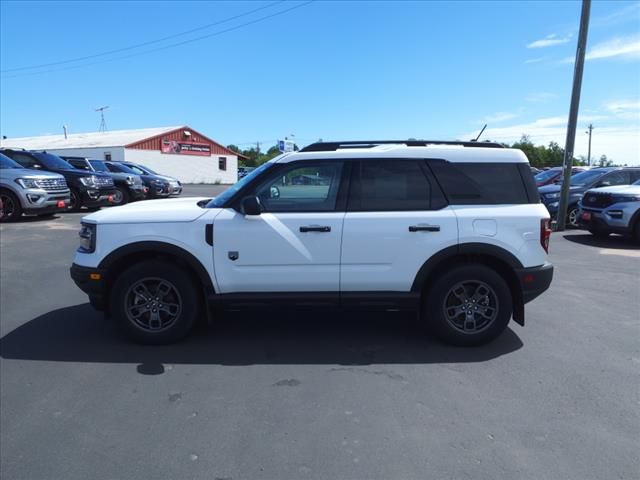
x=397, y=218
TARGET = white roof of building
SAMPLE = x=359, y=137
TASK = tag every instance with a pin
x=115, y=138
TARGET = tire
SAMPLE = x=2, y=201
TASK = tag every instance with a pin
x=140, y=288
x=120, y=197
x=11, y=208
x=599, y=233
x=75, y=201
x=572, y=217
x=484, y=289
x=636, y=231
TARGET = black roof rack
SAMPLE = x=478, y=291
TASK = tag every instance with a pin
x=333, y=146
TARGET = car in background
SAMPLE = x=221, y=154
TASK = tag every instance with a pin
x=553, y=175
x=128, y=186
x=175, y=187
x=535, y=171
x=580, y=183
x=88, y=189
x=608, y=210
x=157, y=186
x=24, y=191
x=244, y=171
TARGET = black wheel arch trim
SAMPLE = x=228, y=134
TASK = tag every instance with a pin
x=160, y=248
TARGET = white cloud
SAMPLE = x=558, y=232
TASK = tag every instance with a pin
x=623, y=106
x=499, y=117
x=619, y=142
x=535, y=60
x=549, y=41
x=628, y=47
x=625, y=14
x=540, y=97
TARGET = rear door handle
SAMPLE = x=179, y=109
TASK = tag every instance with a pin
x=424, y=228
x=315, y=228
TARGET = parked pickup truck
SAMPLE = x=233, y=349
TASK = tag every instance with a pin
x=24, y=191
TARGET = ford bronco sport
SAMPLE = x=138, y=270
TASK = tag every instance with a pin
x=455, y=230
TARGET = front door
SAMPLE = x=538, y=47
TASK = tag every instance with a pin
x=294, y=244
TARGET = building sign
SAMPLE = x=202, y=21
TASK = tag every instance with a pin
x=185, y=148
x=285, y=145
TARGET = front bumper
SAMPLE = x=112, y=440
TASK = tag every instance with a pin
x=37, y=201
x=534, y=280
x=615, y=218
x=138, y=192
x=97, y=197
x=92, y=282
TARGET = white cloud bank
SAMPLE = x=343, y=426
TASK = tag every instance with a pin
x=627, y=47
x=621, y=143
x=549, y=41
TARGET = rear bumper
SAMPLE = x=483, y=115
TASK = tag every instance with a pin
x=92, y=282
x=534, y=281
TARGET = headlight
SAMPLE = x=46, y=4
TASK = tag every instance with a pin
x=552, y=195
x=27, y=182
x=88, y=181
x=87, y=237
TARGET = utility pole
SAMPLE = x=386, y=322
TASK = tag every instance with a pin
x=573, y=115
x=589, y=154
x=257, y=152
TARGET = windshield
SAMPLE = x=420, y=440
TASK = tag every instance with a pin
x=99, y=165
x=148, y=170
x=135, y=169
x=546, y=175
x=221, y=199
x=6, y=162
x=120, y=168
x=586, y=177
x=53, y=162
x=637, y=182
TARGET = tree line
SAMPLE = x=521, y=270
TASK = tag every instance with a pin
x=540, y=156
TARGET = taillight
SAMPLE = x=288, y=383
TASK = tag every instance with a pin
x=545, y=233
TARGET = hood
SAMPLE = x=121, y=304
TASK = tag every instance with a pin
x=151, y=211
x=556, y=188
x=76, y=172
x=27, y=173
x=632, y=189
x=123, y=176
x=168, y=179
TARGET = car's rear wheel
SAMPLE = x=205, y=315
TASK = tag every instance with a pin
x=468, y=305
x=11, y=209
x=636, y=231
x=155, y=302
x=120, y=196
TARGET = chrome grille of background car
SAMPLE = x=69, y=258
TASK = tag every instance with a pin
x=597, y=200
x=52, y=183
x=104, y=181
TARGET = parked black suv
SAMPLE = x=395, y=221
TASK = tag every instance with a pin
x=128, y=185
x=159, y=187
x=89, y=190
x=580, y=183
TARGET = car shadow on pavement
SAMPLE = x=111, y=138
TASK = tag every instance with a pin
x=80, y=334
x=612, y=241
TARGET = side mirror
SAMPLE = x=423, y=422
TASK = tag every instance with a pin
x=251, y=206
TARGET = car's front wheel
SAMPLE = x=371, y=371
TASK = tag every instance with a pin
x=11, y=209
x=572, y=217
x=120, y=196
x=155, y=302
x=75, y=200
x=468, y=305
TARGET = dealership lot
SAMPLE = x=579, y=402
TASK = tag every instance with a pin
x=289, y=395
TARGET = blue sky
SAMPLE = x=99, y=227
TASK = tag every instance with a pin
x=331, y=70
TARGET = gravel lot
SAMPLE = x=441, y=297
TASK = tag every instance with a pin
x=292, y=396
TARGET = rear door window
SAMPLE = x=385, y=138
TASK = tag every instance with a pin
x=482, y=183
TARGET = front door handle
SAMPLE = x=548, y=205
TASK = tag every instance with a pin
x=424, y=228
x=315, y=228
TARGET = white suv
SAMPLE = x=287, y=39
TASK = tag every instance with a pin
x=454, y=229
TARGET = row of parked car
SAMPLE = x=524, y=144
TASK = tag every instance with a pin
x=40, y=183
x=603, y=200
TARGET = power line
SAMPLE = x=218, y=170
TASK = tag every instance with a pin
x=266, y=17
x=144, y=44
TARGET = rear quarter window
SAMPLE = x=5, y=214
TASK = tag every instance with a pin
x=485, y=183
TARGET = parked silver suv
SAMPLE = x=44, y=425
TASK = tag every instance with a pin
x=30, y=192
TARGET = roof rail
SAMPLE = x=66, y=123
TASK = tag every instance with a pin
x=332, y=146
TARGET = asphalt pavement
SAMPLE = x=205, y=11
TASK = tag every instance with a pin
x=301, y=396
